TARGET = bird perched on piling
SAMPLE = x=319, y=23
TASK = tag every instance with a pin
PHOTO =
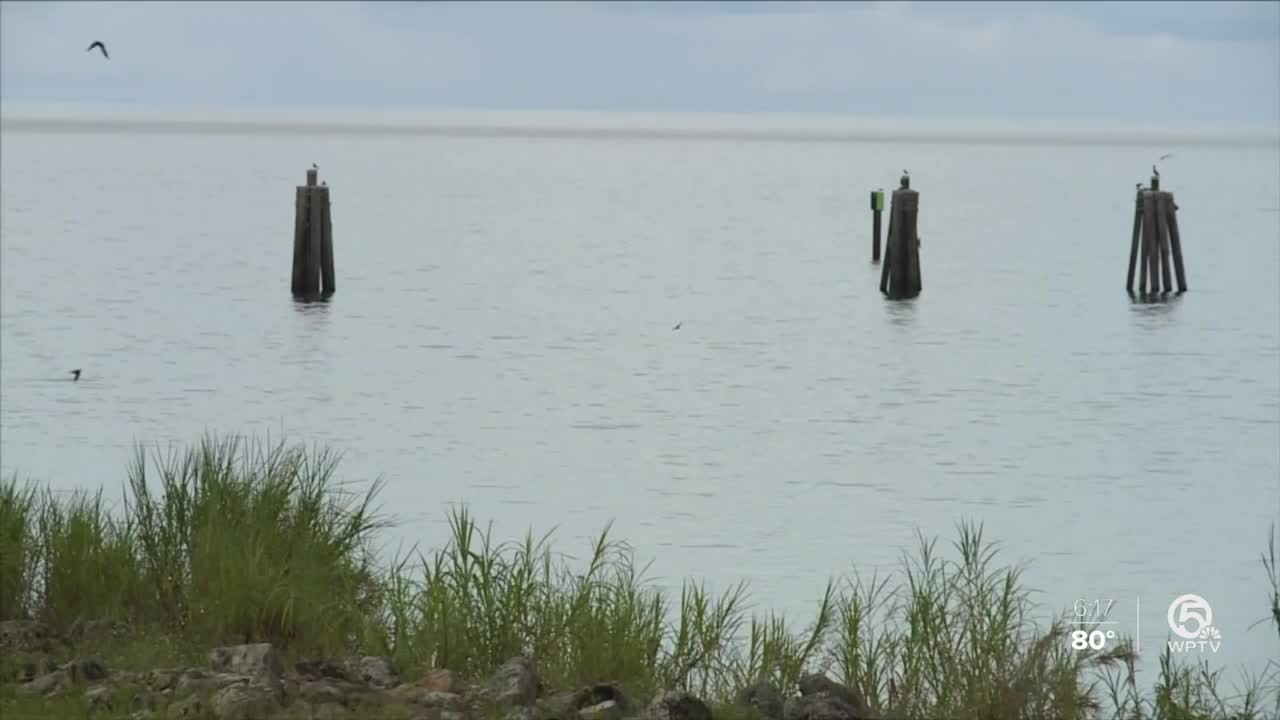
x=75, y=375
x=98, y=44
x=1154, y=172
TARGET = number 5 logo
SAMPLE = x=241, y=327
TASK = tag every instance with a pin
x=1189, y=607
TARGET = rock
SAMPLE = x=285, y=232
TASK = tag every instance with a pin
x=48, y=684
x=607, y=710
x=260, y=662
x=678, y=705
x=601, y=693
x=192, y=707
x=245, y=702
x=99, y=698
x=32, y=670
x=94, y=632
x=318, y=669
x=28, y=636
x=514, y=683
x=520, y=713
x=86, y=670
x=560, y=706
x=378, y=672
x=824, y=699
x=426, y=697
x=199, y=682
x=445, y=681
x=762, y=696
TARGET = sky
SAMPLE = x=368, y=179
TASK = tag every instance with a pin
x=1171, y=64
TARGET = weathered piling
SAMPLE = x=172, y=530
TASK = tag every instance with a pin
x=900, y=273
x=313, y=273
x=1155, y=243
x=877, y=207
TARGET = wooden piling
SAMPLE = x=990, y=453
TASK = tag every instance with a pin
x=313, y=267
x=300, y=260
x=884, y=268
x=326, y=248
x=902, y=254
x=1133, y=245
x=1175, y=241
x=1150, y=271
x=877, y=206
x=1162, y=242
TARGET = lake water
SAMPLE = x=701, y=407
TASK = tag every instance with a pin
x=502, y=336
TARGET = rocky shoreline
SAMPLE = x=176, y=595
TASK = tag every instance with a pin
x=253, y=682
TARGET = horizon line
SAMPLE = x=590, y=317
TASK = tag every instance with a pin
x=53, y=118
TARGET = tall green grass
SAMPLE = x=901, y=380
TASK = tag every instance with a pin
x=229, y=542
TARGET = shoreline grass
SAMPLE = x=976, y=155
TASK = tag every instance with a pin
x=228, y=542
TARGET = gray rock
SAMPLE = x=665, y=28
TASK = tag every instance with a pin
x=259, y=661
x=378, y=672
x=607, y=710
x=86, y=670
x=191, y=707
x=513, y=684
x=245, y=702
x=602, y=692
x=764, y=697
x=520, y=713
x=45, y=685
x=99, y=698
x=427, y=697
x=678, y=705
x=28, y=636
x=322, y=669
x=32, y=670
x=94, y=632
x=822, y=698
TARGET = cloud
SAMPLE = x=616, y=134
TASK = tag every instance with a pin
x=1206, y=63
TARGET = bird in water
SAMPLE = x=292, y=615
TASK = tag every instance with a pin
x=98, y=44
x=677, y=327
x=75, y=375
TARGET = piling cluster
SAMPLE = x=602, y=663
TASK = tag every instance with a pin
x=313, y=275
x=1155, y=239
x=900, y=273
x=1155, y=251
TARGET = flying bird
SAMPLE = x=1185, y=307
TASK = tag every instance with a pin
x=98, y=44
x=677, y=327
x=1165, y=157
x=75, y=375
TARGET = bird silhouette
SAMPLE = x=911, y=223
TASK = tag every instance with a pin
x=677, y=327
x=1166, y=156
x=98, y=44
x=315, y=166
x=75, y=375
x=1154, y=171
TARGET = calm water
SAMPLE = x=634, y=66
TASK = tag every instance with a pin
x=502, y=335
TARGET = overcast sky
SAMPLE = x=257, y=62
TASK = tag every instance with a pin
x=1172, y=64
